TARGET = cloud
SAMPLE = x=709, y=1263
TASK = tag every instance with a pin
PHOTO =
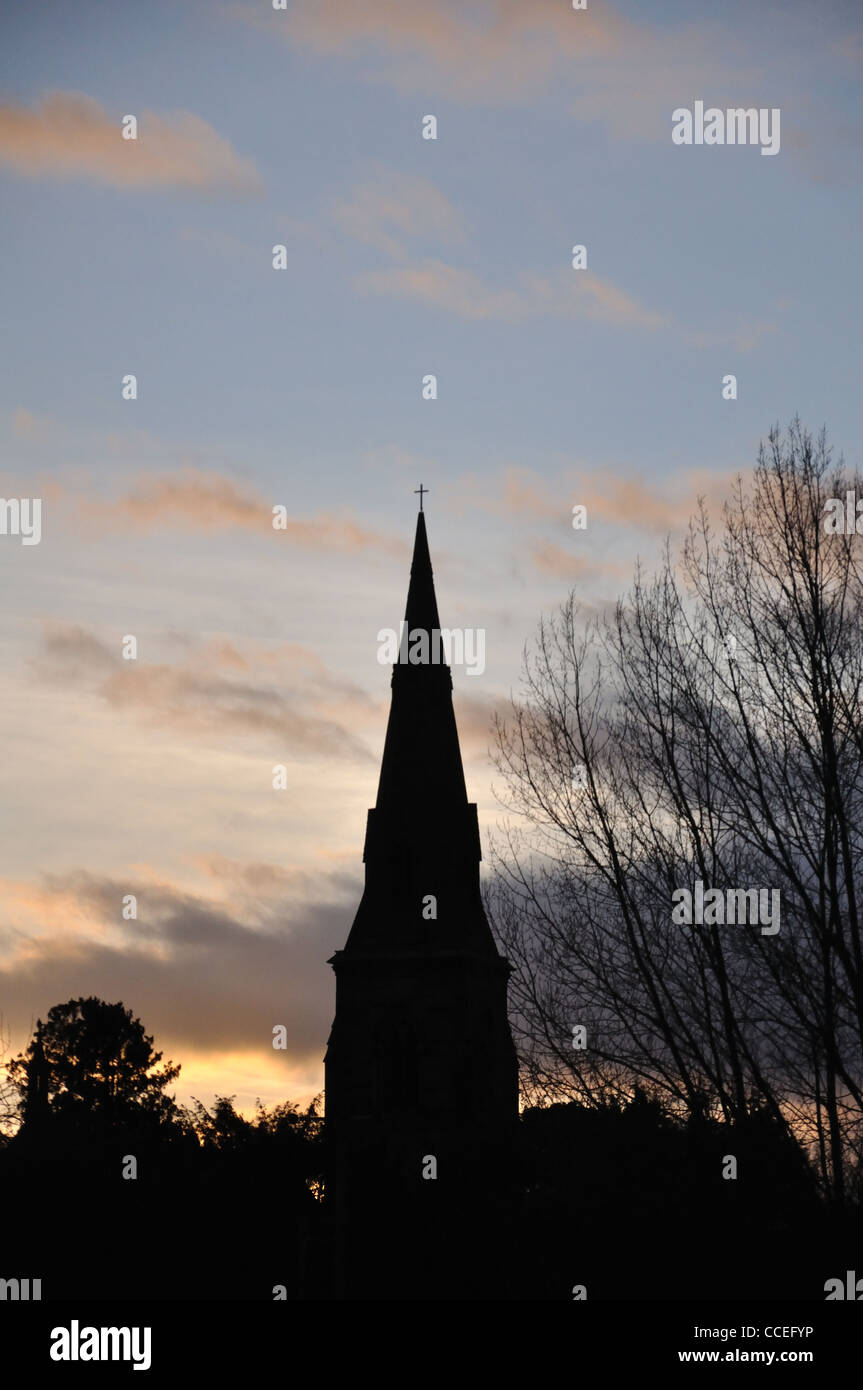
x=624, y=72
x=499, y=42
x=196, y=973
x=446, y=287
x=554, y=560
x=564, y=564
x=198, y=499
x=523, y=493
x=250, y=886
x=69, y=135
x=416, y=207
x=40, y=428
x=582, y=294
x=286, y=695
x=630, y=501
x=512, y=491
x=191, y=497
x=396, y=202
x=611, y=494
x=474, y=715
x=457, y=291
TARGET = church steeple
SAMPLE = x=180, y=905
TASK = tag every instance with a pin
x=422, y=759
x=421, y=608
x=422, y=836
x=420, y=1062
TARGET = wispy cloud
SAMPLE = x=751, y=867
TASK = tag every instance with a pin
x=577, y=294
x=417, y=209
x=202, y=500
x=382, y=211
x=560, y=563
x=500, y=43
x=628, y=500
x=610, y=493
x=280, y=693
x=69, y=135
x=624, y=72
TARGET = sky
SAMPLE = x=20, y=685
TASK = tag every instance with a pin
x=302, y=388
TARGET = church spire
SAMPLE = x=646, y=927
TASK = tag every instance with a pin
x=421, y=770
x=421, y=609
x=422, y=836
x=420, y=1059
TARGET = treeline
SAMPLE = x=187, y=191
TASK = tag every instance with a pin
x=622, y=1199
x=115, y=1191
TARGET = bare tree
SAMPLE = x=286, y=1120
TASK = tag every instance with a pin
x=715, y=726
x=9, y=1099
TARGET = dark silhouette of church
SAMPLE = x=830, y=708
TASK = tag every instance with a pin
x=421, y=1070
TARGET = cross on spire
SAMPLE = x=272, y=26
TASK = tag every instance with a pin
x=420, y=490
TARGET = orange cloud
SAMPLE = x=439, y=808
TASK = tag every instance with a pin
x=581, y=294
x=201, y=500
x=628, y=500
x=69, y=135
x=621, y=71
x=499, y=40
x=610, y=494
x=33, y=910
x=566, y=564
x=446, y=287
x=463, y=293
x=205, y=501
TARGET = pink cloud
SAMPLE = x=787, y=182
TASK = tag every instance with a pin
x=69, y=135
x=206, y=501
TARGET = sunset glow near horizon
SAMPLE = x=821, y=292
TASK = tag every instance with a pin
x=303, y=388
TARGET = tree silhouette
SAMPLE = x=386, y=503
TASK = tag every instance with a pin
x=715, y=721
x=282, y=1140
x=92, y=1065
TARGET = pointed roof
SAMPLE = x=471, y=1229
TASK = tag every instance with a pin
x=421, y=608
x=422, y=835
x=421, y=768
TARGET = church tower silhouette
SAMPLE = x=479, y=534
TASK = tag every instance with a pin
x=421, y=1072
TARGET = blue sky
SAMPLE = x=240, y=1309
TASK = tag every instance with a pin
x=302, y=387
